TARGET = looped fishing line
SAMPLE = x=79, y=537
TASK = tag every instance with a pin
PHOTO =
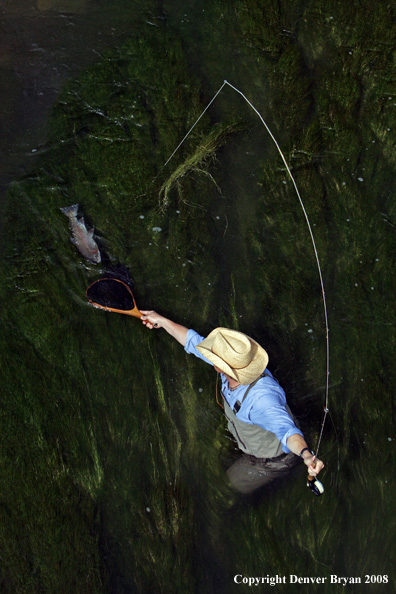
x=326, y=409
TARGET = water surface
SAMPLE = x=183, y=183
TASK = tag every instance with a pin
x=113, y=447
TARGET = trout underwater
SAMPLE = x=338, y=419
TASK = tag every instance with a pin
x=81, y=237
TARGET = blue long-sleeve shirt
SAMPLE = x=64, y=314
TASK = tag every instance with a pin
x=265, y=404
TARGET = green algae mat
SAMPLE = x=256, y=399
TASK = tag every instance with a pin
x=113, y=450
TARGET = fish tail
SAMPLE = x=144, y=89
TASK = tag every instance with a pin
x=70, y=210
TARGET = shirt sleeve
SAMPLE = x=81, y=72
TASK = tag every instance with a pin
x=274, y=417
x=192, y=340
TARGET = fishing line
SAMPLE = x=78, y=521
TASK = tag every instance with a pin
x=196, y=122
x=326, y=409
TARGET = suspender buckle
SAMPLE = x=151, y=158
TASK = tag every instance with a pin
x=237, y=407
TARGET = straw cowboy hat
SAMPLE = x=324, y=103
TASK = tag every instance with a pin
x=237, y=355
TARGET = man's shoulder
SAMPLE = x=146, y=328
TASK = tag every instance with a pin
x=268, y=392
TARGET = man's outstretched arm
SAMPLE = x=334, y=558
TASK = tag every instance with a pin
x=152, y=319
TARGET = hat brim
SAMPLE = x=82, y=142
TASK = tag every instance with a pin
x=217, y=361
x=244, y=376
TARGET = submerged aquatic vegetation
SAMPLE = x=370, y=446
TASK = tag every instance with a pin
x=113, y=448
x=92, y=447
x=199, y=162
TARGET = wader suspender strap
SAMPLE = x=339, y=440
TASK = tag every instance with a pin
x=237, y=405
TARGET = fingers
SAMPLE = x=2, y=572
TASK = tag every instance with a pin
x=146, y=315
x=150, y=318
x=149, y=324
x=315, y=467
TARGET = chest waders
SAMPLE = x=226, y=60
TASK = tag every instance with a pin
x=252, y=439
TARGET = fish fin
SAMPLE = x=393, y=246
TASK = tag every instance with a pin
x=90, y=232
x=70, y=210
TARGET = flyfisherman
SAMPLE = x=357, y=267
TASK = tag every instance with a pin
x=254, y=403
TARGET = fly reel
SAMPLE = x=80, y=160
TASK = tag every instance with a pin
x=315, y=485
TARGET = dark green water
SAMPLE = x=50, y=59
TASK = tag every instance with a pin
x=113, y=449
